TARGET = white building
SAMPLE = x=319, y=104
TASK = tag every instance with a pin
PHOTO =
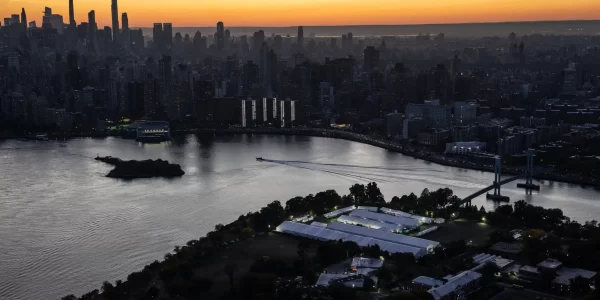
x=465, y=147
x=457, y=287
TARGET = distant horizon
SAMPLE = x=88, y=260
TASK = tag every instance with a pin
x=255, y=13
x=375, y=25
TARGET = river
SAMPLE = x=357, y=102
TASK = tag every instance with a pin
x=65, y=228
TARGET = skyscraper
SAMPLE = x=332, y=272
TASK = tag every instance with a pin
x=92, y=24
x=168, y=34
x=125, y=36
x=24, y=18
x=125, y=21
x=300, y=36
x=72, y=22
x=220, y=36
x=157, y=33
x=115, y=19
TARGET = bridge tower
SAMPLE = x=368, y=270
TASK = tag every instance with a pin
x=496, y=196
x=529, y=185
x=497, y=176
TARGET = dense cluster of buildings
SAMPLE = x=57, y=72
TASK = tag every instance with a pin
x=501, y=95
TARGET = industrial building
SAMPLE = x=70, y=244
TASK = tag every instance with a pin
x=329, y=234
x=383, y=235
x=370, y=223
x=399, y=220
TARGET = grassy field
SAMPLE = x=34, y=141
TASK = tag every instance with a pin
x=477, y=233
x=244, y=253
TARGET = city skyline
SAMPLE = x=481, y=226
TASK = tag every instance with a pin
x=186, y=13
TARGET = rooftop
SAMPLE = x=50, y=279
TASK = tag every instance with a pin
x=552, y=264
x=428, y=281
x=455, y=283
x=564, y=275
x=512, y=248
x=363, y=262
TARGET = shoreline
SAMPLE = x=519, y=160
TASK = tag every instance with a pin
x=360, y=138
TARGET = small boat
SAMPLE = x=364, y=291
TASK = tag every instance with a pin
x=259, y=159
x=42, y=137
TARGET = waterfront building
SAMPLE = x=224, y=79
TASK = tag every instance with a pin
x=153, y=131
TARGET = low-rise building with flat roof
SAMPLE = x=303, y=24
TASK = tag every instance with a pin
x=458, y=287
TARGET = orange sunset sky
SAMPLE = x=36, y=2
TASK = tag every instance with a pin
x=142, y=13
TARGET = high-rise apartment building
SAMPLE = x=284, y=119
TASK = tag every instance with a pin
x=115, y=19
x=168, y=34
x=125, y=22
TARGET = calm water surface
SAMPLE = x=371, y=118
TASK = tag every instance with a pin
x=65, y=228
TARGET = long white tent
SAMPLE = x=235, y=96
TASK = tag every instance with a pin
x=370, y=223
x=340, y=211
x=400, y=213
x=399, y=220
x=384, y=235
x=325, y=234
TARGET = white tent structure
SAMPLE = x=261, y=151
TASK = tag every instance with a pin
x=338, y=212
x=326, y=234
x=370, y=223
x=400, y=213
x=385, y=236
x=399, y=220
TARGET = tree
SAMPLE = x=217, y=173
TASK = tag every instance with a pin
x=505, y=210
x=153, y=292
x=385, y=274
x=69, y=297
x=488, y=272
x=302, y=246
x=368, y=284
x=270, y=215
x=247, y=233
x=357, y=192
x=204, y=284
x=416, y=295
x=442, y=197
x=297, y=206
x=339, y=291
x=326, y=201
x=374, y=195
x=230, y=270
x=219, y=227
x=347, y=200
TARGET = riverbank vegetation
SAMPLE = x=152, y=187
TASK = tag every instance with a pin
x=245, y=260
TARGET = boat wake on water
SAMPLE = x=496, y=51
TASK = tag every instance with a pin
x=375, y=173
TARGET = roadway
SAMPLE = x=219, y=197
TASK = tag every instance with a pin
x=491, y=187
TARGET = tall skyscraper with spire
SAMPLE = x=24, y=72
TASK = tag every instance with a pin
x=72, y=14
x=24, y=18
x=115, y=19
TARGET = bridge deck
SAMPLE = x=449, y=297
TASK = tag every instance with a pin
x=491, y=187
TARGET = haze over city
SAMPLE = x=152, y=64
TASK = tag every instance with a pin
x=191, y=13
x=299, y=150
